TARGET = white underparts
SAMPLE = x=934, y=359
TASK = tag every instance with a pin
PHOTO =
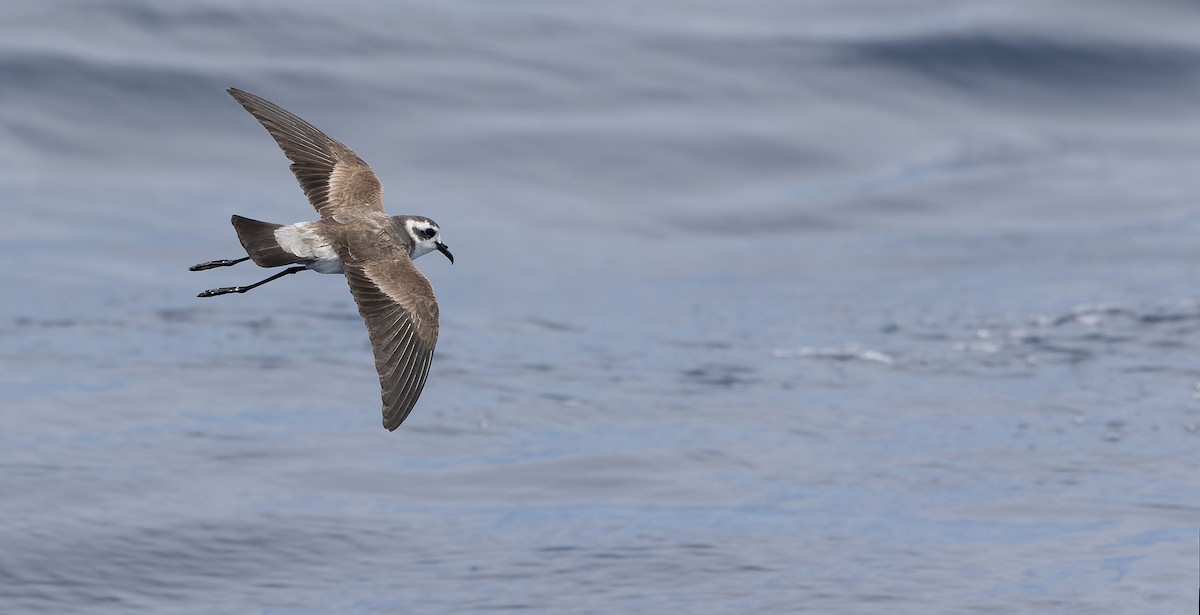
x=303, y=240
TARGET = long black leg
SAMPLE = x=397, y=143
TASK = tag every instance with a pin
x=213, y=292
x=228, y=262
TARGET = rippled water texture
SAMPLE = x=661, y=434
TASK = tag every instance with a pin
x=759, y=307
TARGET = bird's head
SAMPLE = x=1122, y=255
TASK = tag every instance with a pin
x=426, y=237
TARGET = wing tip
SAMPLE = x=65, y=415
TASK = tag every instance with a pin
x=250, y=102
x=238, y=95
x=391, y=425
x=393, y=419
x=255, y=104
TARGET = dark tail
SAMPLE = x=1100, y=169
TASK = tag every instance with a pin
x=258, y=238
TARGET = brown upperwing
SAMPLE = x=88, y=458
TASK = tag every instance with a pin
x=398, y=305
x=333, y=177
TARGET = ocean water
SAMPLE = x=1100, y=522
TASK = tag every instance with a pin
x=758, y=307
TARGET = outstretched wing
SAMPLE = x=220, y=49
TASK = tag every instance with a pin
x=333, y=177
x=401, y=314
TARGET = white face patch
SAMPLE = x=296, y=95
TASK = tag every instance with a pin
x=422, y=245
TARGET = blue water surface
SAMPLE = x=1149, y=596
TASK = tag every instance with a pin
x=758, y=307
